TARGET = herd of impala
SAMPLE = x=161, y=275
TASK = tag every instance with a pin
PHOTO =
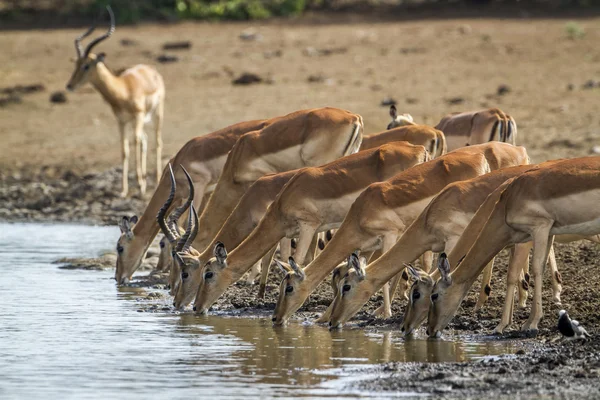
x=229, y=199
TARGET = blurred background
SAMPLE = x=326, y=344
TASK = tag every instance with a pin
x=246, y=59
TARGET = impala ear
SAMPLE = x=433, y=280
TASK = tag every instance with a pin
x=354, y=262
x=125, y=225
x=296, y=268
x=284, y=268
x=412, y=272
x=444, y=268
x=133, y=220
x=220, y=252
x=393, y=111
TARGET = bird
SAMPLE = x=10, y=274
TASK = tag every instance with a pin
x=570, y=328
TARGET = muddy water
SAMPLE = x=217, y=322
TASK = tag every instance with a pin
x=73, y=334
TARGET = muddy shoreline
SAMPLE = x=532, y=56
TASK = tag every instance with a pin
x=547, y=367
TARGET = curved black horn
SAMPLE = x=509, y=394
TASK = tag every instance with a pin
x=79, y=38
x=193, y=219
x=166, y=230
x=178, y=212
x=110, y=31
x=188, y=230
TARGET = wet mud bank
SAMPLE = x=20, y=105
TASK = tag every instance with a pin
x=51, y=194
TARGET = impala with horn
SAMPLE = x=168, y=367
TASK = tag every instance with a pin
x=315, y=199
x=136, y=96
x=469, y=128
x=437, y=228
x=384, y=210
x=561, y=198
x=204, y=158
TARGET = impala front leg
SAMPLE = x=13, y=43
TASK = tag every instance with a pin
x=124, y=159
x=541, y=247
x=385, y=311
x=486, y=287
x=556, y=277
x=519, y=254
x=158, y=123
x=139, y=133
x=264, y=273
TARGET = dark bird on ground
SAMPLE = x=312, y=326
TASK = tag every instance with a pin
x=570, y=328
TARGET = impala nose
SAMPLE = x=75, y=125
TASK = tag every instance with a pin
x=274, y=319
x=402, y=329
x=427, y=331
x=194, y=308
x=69, y=87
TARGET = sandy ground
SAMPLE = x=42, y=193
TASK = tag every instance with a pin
x=58, y=161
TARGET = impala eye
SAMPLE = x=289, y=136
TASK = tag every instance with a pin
x=184, y=275
x=416, y=295
x=208, y=275
x=346, y=288
x=289, y=289
x=85, y=67
x=434, y=296
x=119, y=249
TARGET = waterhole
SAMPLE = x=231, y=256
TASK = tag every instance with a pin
x=73, y=334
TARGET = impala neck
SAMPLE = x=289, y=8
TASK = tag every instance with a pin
x=110, y=86
x=480, y=242
x=413, y=243
x=146, y=229
x=259, y=242
x=220, y=205
x=344, y=242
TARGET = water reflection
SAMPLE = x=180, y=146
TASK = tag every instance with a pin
x=73, y=334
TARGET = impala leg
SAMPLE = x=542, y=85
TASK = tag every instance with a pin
x=264, y=273
x=285, y=249
x=541, y=247
x=139, y=131
x=313, y=248
x=385, y=311
x=556, y=277
x=519, y=254
x=254, y=273
x=124, y=159
x=327, y=314
x=427, y=261
x=486, y=287
x=523, y=288
x=158, y=123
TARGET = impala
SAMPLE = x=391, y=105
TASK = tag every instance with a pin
x=314, y=200
x=300, y=139
x=437, y=228
x=561, y=198
x=136, y=97
x=471, y=127
x=384, y=210
x=261, y=194
x=204, y=157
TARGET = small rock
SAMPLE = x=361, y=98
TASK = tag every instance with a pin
x=455, y=100
x=250, y=35
x=183, y=45
x=316, y=79
x=58, y=97
x=247, y=78
x=570, y=87
x=128, y=42
x=465, y=29
x=376, y=87
x=166, y=59
x=591, y=84
x=388, y=101
x=520, y=352
x=272, y=54
x=595, y=150
x=411, y=100
x=502, y=90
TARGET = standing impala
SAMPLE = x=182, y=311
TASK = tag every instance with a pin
x=314, y=200
x=136, y=96
x=469, y=128
x=384, y=210
x=562, y=198
x=204, y=158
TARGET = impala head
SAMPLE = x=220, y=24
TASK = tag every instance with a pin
x=85, y=64
x=173, y=241
x=352, y=292
x=418, y=300
x=129, y=256
x=446, y=297
x=215, y=278
x=293, y=291
x=399, y=119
